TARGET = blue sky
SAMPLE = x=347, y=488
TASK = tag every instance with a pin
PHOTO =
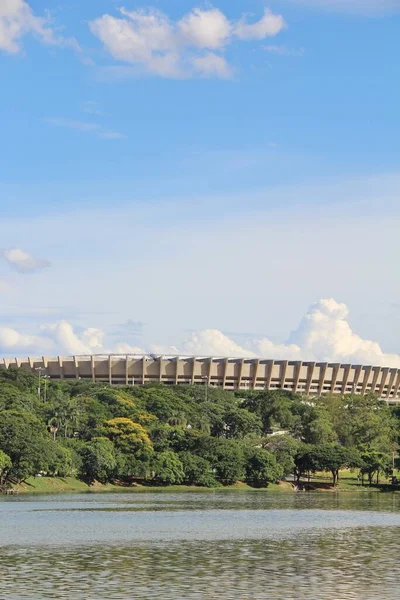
x=212, y=140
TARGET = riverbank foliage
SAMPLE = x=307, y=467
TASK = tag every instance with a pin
x=180, y=435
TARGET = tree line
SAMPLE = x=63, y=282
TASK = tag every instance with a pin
x=165, y=434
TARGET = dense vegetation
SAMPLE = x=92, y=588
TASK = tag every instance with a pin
x=181, y=435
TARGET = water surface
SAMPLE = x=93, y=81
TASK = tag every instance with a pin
x=223, y=544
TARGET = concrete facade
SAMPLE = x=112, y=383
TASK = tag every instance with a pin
x=308, y=378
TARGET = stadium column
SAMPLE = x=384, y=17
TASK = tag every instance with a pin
x=194, y=370
x=109, y=369
x=297, y=371
x=391, y=382
x=322, y=373
x=210, y=370
x=377, y=371
x=356, y=379
x=126, y=370
x=397, y=385
x=226, y=366
x=346, y=376
x=255, y=373
x=385, y=373
x=143, y=370
x=60, y=366
x=283, y=374
x=367, y=374
x=76, y=367
x=335, y=373
x=270, y=364
x=240, y=373
x=310, y=374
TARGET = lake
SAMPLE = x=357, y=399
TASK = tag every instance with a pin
x=222, y=544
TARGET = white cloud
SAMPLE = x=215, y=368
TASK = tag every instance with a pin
x=323, y=334
x=212, y=342
x=156, y=45
x=59, y=338
x=362, y=7
x=13, y=341
x=212, y=65
x=21, y=261
x=17, y=20
x=269, y=25
x=205, y=29
x=65, y=340
x=128, y=349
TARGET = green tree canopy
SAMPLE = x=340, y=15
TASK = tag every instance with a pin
x=22, y=438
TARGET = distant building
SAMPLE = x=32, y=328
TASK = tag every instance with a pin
x=308, y=378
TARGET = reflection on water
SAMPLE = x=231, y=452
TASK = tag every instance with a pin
x=221, y=545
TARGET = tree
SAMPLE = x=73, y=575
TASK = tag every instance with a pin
x=5, y=466
x=128, y=436
x=197, y=470
x=12, y=398
x=23, y=438
x=262, y=468
x=333, y=458
x=59, y=460
x=98, y=460
x=367, y=424
x=284, y=448
x=168, y=468
x=273, y=407
x=239, y=422
x=25, y=381
x=63, y=415
x=319, y=430
x=303, y=461
x=166, y=437
x=373, y=463
x=227, y=459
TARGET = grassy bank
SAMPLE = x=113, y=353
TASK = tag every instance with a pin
x=71, y=485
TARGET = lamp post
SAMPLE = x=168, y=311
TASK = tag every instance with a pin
x=45, y=377
x=39, y=370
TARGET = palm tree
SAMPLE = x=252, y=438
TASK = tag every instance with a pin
x=63, y=415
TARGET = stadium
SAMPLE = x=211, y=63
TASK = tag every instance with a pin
x=307, y=378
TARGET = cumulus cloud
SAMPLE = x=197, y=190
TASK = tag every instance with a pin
x=128, y=349
x=323, y=334
x=13, y=341
x=59, y=338
x=189, y=47
x=17, y=20
x=66, y=340
x=212, y=342
x=21, y=261
x=269, y=25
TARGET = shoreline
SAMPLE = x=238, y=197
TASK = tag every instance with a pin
x=71, y=485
